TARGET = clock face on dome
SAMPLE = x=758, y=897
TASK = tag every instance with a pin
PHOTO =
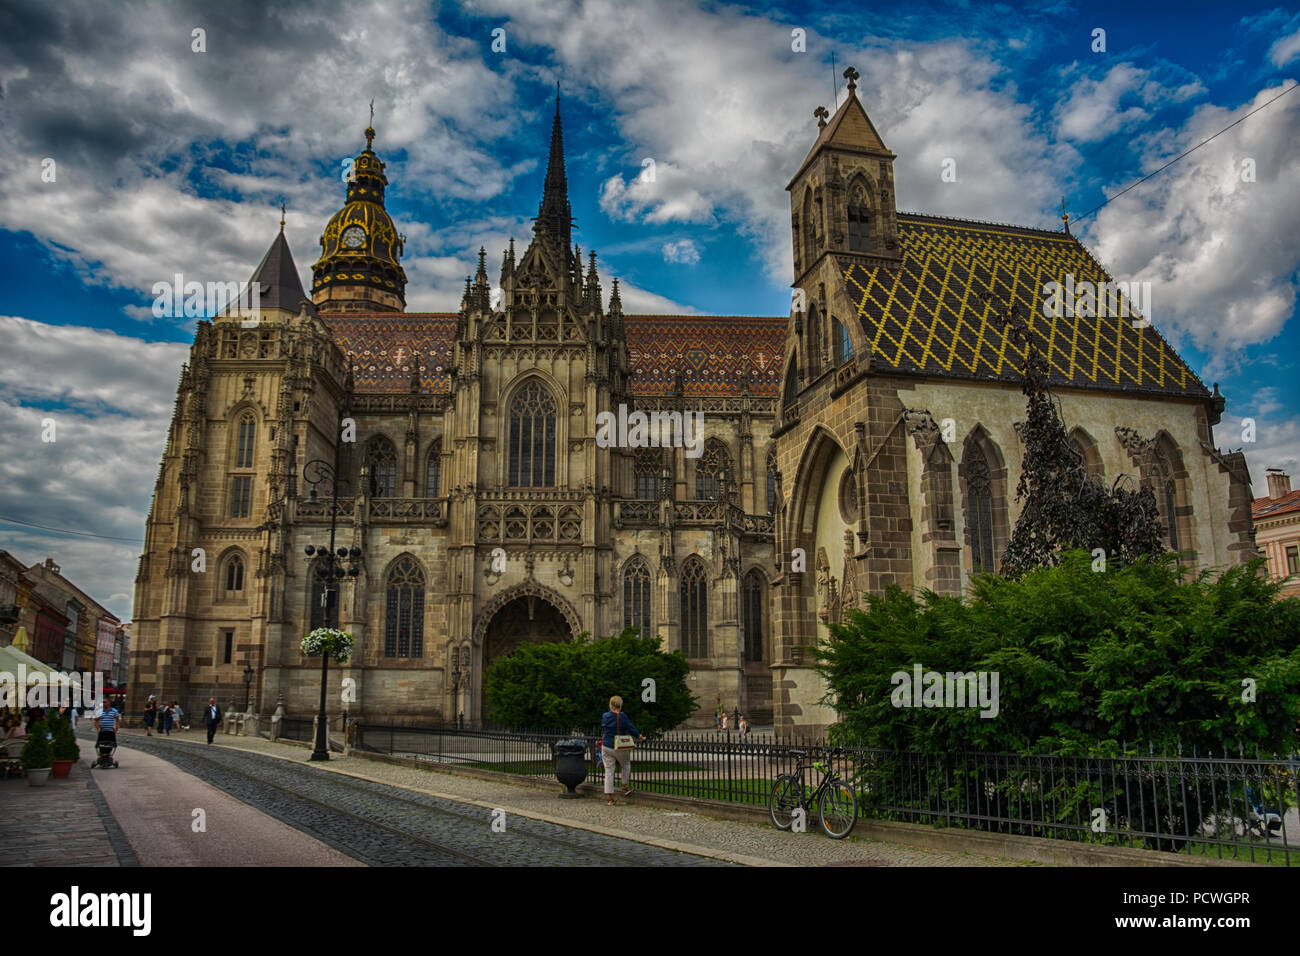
x=354, y=237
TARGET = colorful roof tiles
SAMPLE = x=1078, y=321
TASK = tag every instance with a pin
x=715, y=354
x=926, y=316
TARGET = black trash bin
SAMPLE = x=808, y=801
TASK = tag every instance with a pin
x=571, y=764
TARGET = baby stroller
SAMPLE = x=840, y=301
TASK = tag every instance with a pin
x=106, y=747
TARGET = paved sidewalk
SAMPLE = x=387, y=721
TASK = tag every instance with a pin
x=64, y=823
x=155, y=802
x=740, y=842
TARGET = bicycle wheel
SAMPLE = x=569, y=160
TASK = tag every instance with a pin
x=786, y=795
x=838, y=809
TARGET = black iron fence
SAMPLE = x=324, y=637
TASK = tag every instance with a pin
x=1211, y=806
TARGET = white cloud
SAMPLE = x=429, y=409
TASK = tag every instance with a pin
x=683, y=251
x=136, y=122
x=110, y=397
x=1285, y=49
x=637, y=301
x=1217, y=249
x=1092, y=111
x=717, y=99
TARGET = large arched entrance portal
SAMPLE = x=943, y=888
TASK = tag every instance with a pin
x=524, y=619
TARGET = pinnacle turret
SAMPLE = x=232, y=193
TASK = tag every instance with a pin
x=554, y=216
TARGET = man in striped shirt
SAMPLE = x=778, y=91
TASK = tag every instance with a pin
x=107, y=723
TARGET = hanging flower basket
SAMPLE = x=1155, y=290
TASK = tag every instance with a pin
x=328, y=640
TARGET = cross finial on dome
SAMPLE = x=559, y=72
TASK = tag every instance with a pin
x=852, y=76
x=370, y=130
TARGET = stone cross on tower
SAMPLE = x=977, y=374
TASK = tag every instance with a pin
x=852, y=75
x=821, y=113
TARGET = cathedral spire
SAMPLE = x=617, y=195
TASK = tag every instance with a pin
x=554, y=215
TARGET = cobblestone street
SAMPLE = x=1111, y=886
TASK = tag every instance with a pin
x=382, y=825
x=384, y=814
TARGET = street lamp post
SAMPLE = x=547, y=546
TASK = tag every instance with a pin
x=332, y=573
x=248, y=686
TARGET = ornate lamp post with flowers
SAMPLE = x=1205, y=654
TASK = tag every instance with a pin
x=328, y=641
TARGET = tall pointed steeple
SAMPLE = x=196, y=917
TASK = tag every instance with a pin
x=554, y=216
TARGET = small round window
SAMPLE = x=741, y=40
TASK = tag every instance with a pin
x=848, y=496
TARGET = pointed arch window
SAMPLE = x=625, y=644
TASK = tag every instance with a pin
x=695, y=610
x=645, y=472
x=809, y=231
x=771, y=481
x=404, y=613
x=233, y=579
x=532, y=438
x=843, y=344
x=859, y=215
x=636, y=596
x=244, y=442
x=712, y=471
x=979, y=510
x=753, y=603
x=381, y=457
x=1171, y=515
x=433, y=470
x=791, y=382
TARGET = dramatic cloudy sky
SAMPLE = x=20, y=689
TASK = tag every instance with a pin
x=170, y=160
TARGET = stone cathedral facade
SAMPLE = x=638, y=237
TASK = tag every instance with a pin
x=486, y=512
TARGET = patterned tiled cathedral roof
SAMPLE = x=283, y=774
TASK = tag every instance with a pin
x=715, y=354
x=926, y=316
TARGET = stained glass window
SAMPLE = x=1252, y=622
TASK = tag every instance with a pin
x=532, y=438
x=382, y=459
x=404, y=617
x=636, y=596
x=695, y=610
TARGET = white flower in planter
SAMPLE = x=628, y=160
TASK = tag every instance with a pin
x=328, y=640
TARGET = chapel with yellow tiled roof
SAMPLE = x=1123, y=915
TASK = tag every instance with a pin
x=448, y=486
x=898, y=454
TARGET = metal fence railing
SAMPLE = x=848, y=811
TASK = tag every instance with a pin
x=1217, y=807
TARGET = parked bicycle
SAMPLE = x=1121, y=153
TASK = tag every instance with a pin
x=837, y=804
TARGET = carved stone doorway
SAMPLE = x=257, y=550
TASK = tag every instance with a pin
x=528, y=619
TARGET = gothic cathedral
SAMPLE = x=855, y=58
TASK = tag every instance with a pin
x=870, y=433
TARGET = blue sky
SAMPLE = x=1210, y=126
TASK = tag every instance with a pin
x=169, y=160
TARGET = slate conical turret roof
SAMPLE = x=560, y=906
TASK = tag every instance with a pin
x=280, y=287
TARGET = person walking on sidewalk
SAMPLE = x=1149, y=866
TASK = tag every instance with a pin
x=150, y=715
x=212, y=717
x=617, y=746
x=180, y=716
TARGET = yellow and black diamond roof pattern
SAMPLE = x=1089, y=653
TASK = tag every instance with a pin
x=939, y=311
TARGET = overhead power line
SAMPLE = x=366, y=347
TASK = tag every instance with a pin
x=84, y=534
x=1190, y=151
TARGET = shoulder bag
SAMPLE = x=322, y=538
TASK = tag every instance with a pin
x=622, y=741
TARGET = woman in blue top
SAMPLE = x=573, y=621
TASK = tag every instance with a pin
x=614, y=723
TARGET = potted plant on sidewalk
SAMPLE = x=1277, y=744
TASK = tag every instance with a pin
x=64, y=747
x=37, y=754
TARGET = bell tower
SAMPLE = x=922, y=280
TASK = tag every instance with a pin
x=359, y=269
x=842, y=197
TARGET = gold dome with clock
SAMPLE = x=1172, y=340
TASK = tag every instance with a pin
x=359, y=269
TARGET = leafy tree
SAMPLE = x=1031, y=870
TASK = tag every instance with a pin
x=1086, y=661
x=568, y=684
x=1064, y=507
